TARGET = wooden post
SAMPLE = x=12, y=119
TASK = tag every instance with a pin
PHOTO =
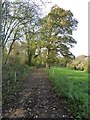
x=15, y=76
x=53, y=71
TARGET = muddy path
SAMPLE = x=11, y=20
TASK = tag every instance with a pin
x=36, y=99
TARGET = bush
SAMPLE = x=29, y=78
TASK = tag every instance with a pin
x=80, y=63
x=12, y=74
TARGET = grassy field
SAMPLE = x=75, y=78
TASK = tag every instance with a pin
x=73, y=85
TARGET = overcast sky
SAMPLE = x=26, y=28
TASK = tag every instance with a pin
x=80, y=10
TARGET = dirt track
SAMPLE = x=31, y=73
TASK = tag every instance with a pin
x=36, y=99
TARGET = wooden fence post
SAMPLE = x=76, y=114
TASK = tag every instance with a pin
x=15, y=76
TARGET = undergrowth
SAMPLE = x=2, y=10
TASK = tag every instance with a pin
x=11, y=78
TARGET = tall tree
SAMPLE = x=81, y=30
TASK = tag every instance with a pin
x=16, y=16
x=57, y=30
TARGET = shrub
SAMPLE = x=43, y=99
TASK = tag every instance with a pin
x=12, y=74
x=80, y=63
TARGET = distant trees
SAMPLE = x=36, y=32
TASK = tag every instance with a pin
x=81, y=62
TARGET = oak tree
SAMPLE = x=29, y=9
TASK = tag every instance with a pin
x=57, y=30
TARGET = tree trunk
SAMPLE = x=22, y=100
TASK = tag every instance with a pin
x=47, y=59
x=29, y=58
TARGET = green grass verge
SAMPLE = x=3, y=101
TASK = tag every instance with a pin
x=73, y=85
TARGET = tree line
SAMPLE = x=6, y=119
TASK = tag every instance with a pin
x=35, y=39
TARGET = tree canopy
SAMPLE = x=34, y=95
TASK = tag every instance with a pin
x=46, y=38
x=57, y=30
